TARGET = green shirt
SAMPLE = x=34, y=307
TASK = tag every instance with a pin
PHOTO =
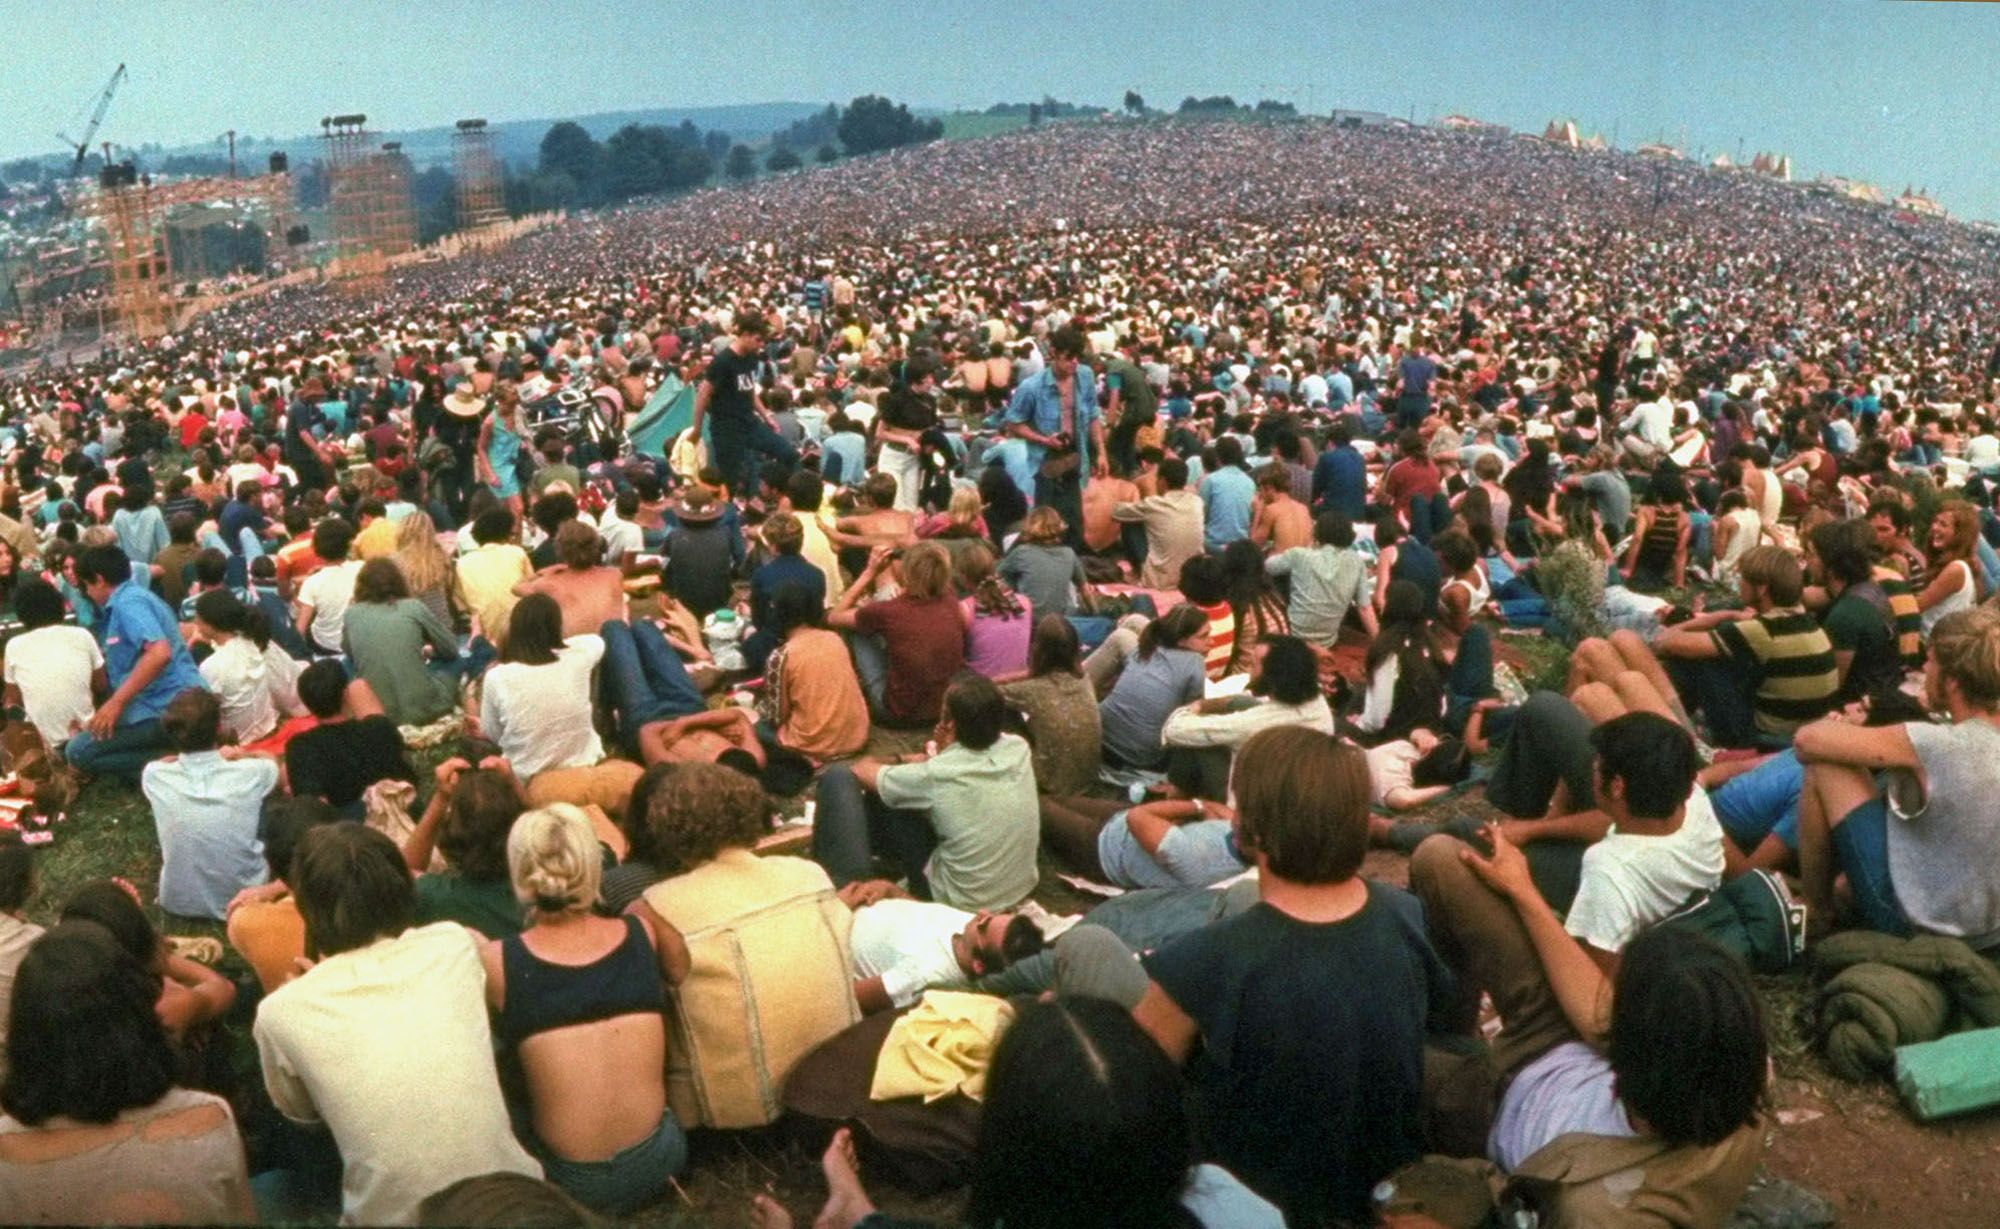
x=987, y=816
x=1858, y=623
x=486, y=905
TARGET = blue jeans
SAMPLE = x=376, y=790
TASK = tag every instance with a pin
x=850, y=824
x=132, y=746
x=1861, y=844
x=735, y=441
x=643, y=680
x=627, y=1182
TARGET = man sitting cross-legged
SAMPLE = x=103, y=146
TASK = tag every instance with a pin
x=1634, y=1092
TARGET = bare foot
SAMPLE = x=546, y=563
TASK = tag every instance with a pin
x=846, y=1202
x=768, y=1213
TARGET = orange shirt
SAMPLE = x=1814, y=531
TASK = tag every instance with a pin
x=270, y=935
x=824, y=713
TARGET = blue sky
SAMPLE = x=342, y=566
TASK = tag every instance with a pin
x=1899, y=93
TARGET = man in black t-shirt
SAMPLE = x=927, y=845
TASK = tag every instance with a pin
x=726, y=400
x=344, y=754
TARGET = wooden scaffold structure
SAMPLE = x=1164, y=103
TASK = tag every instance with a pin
x=132, y=209
x=477, y=174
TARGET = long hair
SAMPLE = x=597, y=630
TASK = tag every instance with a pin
x=1963, y=520
x=84, y=1040
x=424, y=564
x=990, y=596
x=1171, y=630
x=1084, y=1124
x=1405, y=634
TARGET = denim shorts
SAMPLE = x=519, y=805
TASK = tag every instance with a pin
x=634, y=1178
x=1861, y=843
x=1762, y=802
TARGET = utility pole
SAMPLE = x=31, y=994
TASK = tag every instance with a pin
x=231, y=134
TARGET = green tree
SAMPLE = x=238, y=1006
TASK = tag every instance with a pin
x=716, y=142
x=1034, y=114
x=741, y=164
x=827, y=154
x=570, y=151
x=872, y=123
x=783, y=158
x=1134, y=102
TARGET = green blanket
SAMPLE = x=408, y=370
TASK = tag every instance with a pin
x=1878, y=992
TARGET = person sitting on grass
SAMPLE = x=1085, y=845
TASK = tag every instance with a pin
x=189, y=998
x=425, y=1109
x=95, y=1129
x=146, y=664
x=1636, y=1091
x=1085, y=1123
x=1756, y=674
x=579, y=1002
x=1312, y=1006
x=467, y=821
x=1166, y=843
x=206, y=804
x=901, y=946
x=960, y=822
x=264, y=925
x=1923, y=873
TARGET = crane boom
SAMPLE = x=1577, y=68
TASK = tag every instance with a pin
x=96, y=118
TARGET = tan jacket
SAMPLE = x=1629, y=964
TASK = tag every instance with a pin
x=1605, y=1183
x=769, y=982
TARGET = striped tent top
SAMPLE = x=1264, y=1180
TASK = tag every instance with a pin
x=1791, y=660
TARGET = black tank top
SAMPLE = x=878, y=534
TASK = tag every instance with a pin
x=542, y=995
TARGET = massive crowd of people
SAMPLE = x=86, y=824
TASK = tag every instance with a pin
x=1155, y=500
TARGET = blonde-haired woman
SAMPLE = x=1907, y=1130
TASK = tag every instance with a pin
x=425, y=567
x=578, y=1001
x=964, y=517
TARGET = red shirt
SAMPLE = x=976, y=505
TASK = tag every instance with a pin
x=926, y=649
x=1409, y=479
x=193, y=423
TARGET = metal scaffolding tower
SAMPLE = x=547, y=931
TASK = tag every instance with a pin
x=138, y=261
x=133, y=210
x=356, y=199
x=477, y=171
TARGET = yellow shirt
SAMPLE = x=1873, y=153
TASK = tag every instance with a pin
x=486, y=580
x=377, y=541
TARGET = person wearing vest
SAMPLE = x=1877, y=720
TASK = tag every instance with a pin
x=1620, y=1092
x=767, y=947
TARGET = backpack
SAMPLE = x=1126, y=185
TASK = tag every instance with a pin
x=1753, y=916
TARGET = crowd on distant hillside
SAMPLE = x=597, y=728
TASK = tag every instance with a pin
x=1152, y=504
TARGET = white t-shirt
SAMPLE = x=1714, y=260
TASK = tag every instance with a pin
x=241, y=679
x=390, y=1046
x=541, y=715
x=1630, y=882
x=328, y=591
x=52, y=667
x=908, y=944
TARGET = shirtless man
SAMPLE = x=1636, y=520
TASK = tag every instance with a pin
x=590, y=592
x=880, y=524
x=703, y=738
x=1278, y=522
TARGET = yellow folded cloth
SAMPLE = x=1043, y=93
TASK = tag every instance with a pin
x=942, y=1046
